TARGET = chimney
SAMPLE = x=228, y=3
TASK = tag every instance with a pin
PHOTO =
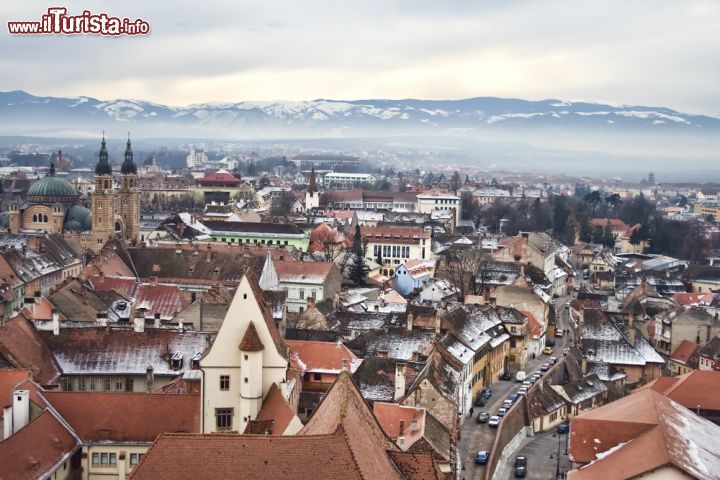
x=139, y=323
x=410, y=320
x=522, y=270
x=56, y=322
x=402, y=427
x=438, y=322
x=20, y=409
x=121, y=465
x=181, y=327
x=153, y=280
x=399, y=380
x=583, y=365
x=149, y=379
x=157, y=320
x=101, y=318
x=7, y=421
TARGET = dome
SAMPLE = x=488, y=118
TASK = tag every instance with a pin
x=78, y=219
x=52, y=189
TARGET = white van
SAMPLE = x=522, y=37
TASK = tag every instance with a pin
x=520, y=376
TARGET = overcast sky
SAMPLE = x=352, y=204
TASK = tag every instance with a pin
x=650, y=52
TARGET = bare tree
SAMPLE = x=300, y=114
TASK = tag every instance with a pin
x=466, y=269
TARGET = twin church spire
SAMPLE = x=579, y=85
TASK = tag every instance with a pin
x=103, y=166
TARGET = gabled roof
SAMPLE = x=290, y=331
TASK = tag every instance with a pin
x=38, y=449
x=376, y=377
x=313, y=273
x=23, y=347
x=684, y=351
x=263, y=457
x=126, y=417
x=691, y=390
x=344, y=410
x=416, y=466
x=280, y=344
x=641, y=433
x=274, y=416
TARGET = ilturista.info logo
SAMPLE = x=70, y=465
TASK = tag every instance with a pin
x=57, y=22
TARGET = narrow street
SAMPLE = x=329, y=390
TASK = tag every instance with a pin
x=480, y=436
x=542, y=453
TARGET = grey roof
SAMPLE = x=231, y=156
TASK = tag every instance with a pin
x=398, y=343
x=584, y=389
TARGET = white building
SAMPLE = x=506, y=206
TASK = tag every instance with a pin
x=429, y=201
x=247, y=357
x=196, y=158
x=348, y=179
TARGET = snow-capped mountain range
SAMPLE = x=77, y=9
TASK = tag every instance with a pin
x=24, y=114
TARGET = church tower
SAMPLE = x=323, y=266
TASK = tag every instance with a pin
x=312, y=197
x=103, y=201
x=129, y=197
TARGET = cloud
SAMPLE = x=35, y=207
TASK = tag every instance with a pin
x=659, y=52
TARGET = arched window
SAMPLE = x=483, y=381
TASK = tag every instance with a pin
x=35, y=218
x=45, y=219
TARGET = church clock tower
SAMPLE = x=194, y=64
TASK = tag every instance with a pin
x=129, y=197
x=103, y=201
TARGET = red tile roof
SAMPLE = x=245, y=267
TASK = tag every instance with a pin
x=535, y=326
x=321, y=356
x=304, y=272
x=275, y=415
x=639, y=434
x=125, y=286
x=397, y=421
x=417, y=466
x=221, y=177
x=22, y=346
x=260, y=457
x=691, y=299
x=691, y=389
x=615, y=223
x=126, y=417
x=684, y=351
x=394, y=234
x=344, y=410
x=251, y=341
x=37, y=449
x=11, y=380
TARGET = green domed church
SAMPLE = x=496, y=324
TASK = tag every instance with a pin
x=51, y=205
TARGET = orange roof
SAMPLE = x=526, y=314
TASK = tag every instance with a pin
x=396, y=234
x=126, y=417
x=639, y=434
x=690, y=299
x=251, y=341
x=275, y=414
x=260, y=457
x=11, y=380
x=38, y=449
x=345, y=410
x=22, y=346
x=684, y=351
x=691, y=389
x=615, y=223
x=417, y=466
x=321, y=356
x=401, y=421
x=315, y=272
x=535, y=325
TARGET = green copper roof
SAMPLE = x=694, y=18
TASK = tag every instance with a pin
x=78, y=219
x=52, y=187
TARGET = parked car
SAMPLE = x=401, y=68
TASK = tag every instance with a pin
x=480, y=401
x=494, y=421
x=527, y=383
x=550, y=342
x=506, y=376
x=545, y=367
x=558, y=333
x=507, y=403
x=522, y=391
x=513, y=397
x=486, y=393
x=536, y=375
x=563, y=428
x=553, y=360
x=520, y=467
x=501, y=412
x=548, y=350
x=483, y=417
x=481, y=457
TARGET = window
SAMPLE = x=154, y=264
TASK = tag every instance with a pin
x=225, y=382
x=81, y=383
x=246, y=379
x=95, y=459
x=245, y=357
x=223, y=418
x=113, y=459
x=108, y=384
x=92, y=384
x=104, y=459
x=129, y=384
x=67, y=384
x=317, y=376
x=119, y=384
x=313, y=294
x=302, y=294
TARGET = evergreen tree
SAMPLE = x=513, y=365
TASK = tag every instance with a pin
x=467, y=179
x=608, y=238
x=358, y=269
x=455, y=181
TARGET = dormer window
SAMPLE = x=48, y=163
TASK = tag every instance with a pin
x=176, y=361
